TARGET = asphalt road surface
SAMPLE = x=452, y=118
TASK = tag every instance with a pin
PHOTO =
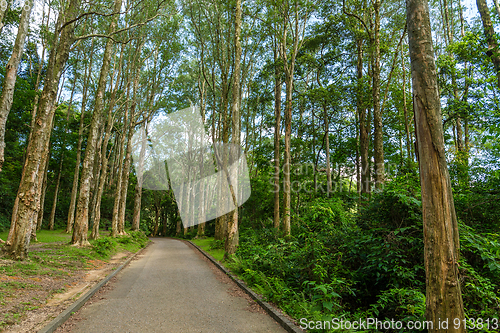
x=170, y=288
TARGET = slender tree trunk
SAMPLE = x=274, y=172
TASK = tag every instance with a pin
x=441, y=239
x=54, y=203
x=10, y=77
x=125, y=179
x=128, y=155
x=43, y=192
x=114, y=156
x=327, y=151
x=136, y=221
x=287, y=157
x=232, y=239
x=96, y=179
x=180, y=203
x=102, y=179
x=118, y=189
x=378, y=139
x=58, y=182
x=157, y=214
x=82, y=209
x=138, y=188
x=221, y=222
x=29, y=192
x=76, y=174
x=289, y=69
x=277, y=137
x=203, y=196
x=315, y=165
x=364, y=124
x=405, y=109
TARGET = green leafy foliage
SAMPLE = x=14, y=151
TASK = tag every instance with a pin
x=339, y=263
x=103, y=246
x=106, y=246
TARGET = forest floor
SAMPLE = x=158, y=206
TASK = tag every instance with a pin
x=35, y=291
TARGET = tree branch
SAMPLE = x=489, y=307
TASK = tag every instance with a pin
x=356, y=17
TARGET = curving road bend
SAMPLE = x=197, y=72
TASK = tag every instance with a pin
x=170, y=288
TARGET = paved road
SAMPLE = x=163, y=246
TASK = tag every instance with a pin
x=171, y=289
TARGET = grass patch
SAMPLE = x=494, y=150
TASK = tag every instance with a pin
x=211, y=246
x=45, y=236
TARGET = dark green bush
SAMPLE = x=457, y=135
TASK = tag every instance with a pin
x=339, y=263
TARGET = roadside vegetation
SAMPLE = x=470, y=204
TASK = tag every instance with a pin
x=52, y=267
x=343, y=263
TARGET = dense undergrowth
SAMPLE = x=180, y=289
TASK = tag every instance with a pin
x=340, y=263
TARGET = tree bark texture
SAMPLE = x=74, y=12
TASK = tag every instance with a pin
x=441, y=242
x=232, y=239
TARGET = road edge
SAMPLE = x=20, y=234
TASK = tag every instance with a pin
x=66, y=314
x=284, y=322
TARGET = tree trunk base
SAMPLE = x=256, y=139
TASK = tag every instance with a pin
x=81, y=244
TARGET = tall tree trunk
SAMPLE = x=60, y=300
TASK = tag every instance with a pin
x=54, y=202
x=10, y=77
x=43, y=192
x=364, y=124
x=29, y=191
x=58, y=182
x=405, y=109
x=378, y=138
x=82, y=209
x=221, y=222
x=102, y=179
x=203, y=196
x=119, y=173
x=327, y=151
x=289, y=69
x=138, y=187
x=128, y=155
x=277, y=136
x=125, y=178
x=180, y=202
x=76, y=174
x=441, y=239
x=287, y=157
x=489, y=32
x=157, y=213
x=232, y=239
x=315, y=165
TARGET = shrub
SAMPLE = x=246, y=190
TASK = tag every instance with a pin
x=104, y=246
